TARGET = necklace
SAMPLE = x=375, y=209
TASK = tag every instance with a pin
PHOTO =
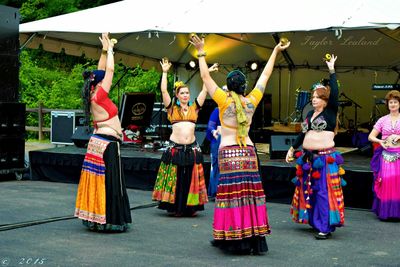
x=393, y=121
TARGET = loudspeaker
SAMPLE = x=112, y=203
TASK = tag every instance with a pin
x=280, y=144
x=12, y=119
x=62, y=127
x=9, y=53
x=82, y=135
x=205, y=112
x=159, y=116
x=12, y=152
x=263, y=114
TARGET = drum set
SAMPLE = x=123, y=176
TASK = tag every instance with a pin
x=302, y=107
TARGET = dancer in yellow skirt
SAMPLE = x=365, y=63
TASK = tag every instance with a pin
x=102, y=202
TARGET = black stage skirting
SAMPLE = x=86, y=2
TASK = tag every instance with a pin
x=63, y=164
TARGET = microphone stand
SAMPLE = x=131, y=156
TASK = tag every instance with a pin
x=355, y=111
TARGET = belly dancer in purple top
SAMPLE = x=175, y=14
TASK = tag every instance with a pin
x=386, y=161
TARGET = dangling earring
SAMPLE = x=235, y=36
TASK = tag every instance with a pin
x=178, y=103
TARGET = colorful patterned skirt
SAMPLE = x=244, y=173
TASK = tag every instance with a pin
x=240, y=216
x=180, y=186
x=102, y=201
x=386, y=203
x=318, y=196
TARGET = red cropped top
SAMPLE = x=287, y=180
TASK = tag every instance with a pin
x=101, y=98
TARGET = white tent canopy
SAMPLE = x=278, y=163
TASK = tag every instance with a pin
x=154, y=28
x=227, y=16
x=360, y=32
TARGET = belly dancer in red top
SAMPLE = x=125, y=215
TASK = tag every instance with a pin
x=102, y=202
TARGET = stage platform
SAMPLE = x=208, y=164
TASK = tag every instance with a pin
x=63, y=164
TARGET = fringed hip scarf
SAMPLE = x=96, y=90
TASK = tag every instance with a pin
x=312, y=167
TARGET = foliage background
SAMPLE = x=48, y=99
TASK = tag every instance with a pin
x=55, y=80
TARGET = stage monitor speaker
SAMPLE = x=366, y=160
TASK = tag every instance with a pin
x=62, y=127
x=81, y=136
x=280, y=144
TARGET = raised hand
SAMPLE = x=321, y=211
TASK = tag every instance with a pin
x=197, y=42
x=331, y=63
x=280, y=47
x=165, y=64
x=213, y=68
x=103, y=40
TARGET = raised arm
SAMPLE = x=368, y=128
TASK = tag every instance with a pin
x=103, y=57
x=165, y=65
x=334, y=94
x=203, y=94
x=204, y=73
x=109, y=65
x=269, y=67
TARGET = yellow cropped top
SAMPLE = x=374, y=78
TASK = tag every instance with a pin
x=176, y=114
x=223, y=101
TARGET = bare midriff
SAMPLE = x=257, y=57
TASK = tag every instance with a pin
x=183, y=132
x=317, y=140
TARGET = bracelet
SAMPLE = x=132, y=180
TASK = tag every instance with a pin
x=110, y=51
x=104, y=52
x=202, y=54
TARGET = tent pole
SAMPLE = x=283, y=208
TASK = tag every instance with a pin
x=279, y=94
x=289, y=85
x=28, y=41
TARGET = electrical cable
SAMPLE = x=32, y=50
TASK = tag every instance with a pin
x=12, y=226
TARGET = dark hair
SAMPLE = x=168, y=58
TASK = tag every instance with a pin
x=236, y=82
x=91, y=79
x=85, y=93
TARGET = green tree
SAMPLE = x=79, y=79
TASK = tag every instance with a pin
x=31, y=10
x=55, y=80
